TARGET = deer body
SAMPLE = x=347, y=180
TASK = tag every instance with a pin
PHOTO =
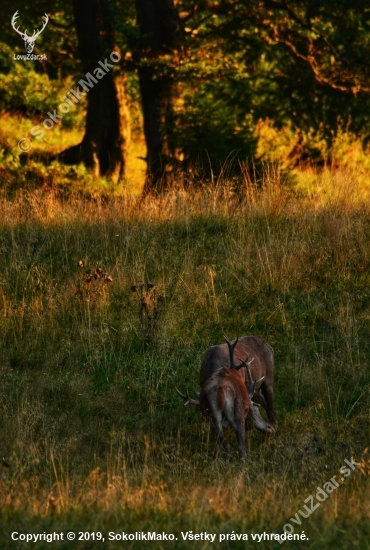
x=228, y=393
x=218, y=357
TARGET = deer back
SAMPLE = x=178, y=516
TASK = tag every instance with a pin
x=218, y=357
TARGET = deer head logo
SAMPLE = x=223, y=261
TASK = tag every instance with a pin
x=29, y=41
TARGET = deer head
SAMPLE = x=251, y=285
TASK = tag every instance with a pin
x=29, y=41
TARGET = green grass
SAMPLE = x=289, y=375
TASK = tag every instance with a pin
x=95, y=435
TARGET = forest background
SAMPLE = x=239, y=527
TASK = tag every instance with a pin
x=198, y=86
x=215, y=180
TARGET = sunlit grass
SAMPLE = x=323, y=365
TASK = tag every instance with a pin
x=94, y=434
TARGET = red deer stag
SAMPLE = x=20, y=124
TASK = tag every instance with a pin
x=221, y=356
x=225, y=401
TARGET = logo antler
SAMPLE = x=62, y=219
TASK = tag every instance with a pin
x=29, y=40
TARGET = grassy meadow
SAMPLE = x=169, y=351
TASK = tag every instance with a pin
x=93, y=435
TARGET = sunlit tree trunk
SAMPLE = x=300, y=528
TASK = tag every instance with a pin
x=161, y=33
x=107, y=131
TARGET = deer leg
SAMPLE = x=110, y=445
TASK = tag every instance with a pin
x=268, y=394
x=238, y=426
x=216, y=425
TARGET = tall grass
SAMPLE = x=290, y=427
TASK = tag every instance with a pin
x=94, y=437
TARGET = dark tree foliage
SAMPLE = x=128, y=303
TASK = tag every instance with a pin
x=308, y=60
x=79, y=35
x=207, y=73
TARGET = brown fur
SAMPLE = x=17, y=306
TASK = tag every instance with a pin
x=228, y=387
x=218, y=357
x=225, y=401
x=221, y=398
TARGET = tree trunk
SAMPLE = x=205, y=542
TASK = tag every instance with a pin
x=107, y=131
x=161, y=33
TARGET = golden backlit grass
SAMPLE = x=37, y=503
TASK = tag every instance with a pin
x=94, y=437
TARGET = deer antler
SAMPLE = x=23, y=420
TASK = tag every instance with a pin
x=187, y=399
x=231, y=346
x=245, y=363
x=253, y=385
